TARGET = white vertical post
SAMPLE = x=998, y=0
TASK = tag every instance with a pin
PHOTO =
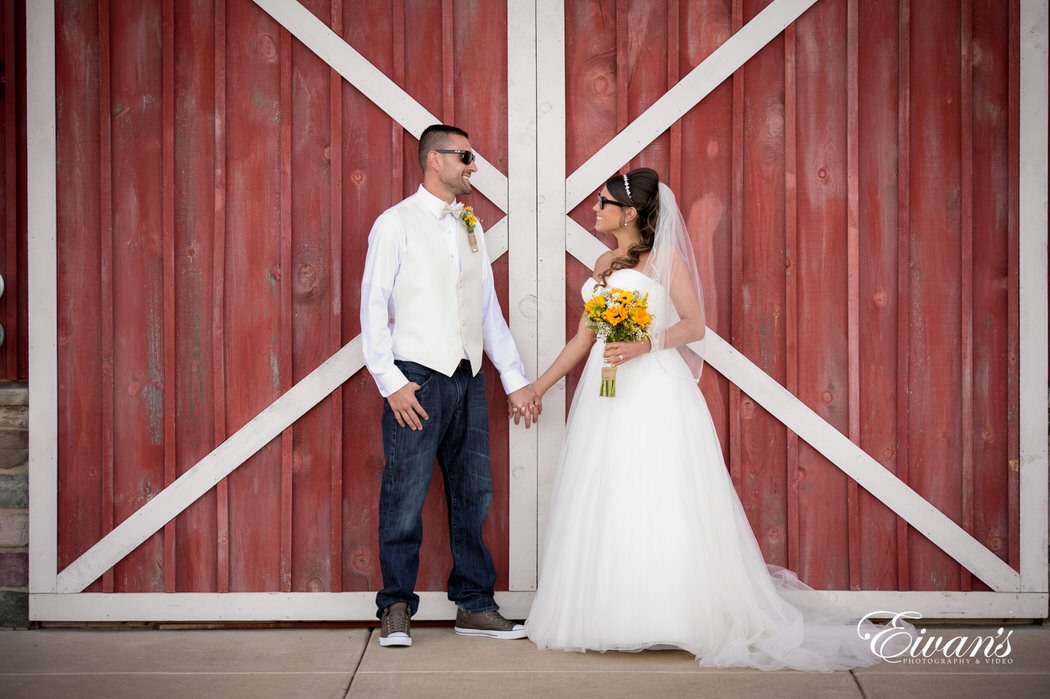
x=1032, y=277
x=42, y=215
x=523, y=295
x=551, y=236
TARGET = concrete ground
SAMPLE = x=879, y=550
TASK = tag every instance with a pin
x=348, y=662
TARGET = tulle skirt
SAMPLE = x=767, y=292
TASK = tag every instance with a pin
x=647, y=544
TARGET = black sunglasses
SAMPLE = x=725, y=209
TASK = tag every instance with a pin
x=602, y=201
x=466, y=156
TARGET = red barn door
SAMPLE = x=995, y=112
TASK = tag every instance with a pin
x=205, y=174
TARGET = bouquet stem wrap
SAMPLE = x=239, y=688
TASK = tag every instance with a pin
x=608, y=389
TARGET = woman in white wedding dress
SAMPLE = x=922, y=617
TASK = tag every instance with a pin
x=647, y=544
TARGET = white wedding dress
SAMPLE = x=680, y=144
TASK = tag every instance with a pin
x=647, y=544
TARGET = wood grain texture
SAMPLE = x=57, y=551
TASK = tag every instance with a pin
x=850, y=194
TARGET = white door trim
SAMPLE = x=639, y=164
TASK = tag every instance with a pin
x=1032, y=280
x=56, y=595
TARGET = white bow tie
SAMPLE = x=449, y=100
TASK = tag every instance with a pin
x=454, y=209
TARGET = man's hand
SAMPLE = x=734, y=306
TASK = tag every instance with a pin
x=525, y=403
x=407, y=409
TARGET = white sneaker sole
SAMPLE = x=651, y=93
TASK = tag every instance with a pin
x=396, y=639
x=501, y=635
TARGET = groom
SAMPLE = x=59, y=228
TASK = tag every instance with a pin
x=428, y=312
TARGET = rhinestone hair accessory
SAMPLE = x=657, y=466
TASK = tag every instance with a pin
x=627, y=186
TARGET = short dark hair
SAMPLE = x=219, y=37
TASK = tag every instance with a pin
x=435, y=137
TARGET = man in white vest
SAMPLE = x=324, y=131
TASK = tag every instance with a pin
x=428, y=313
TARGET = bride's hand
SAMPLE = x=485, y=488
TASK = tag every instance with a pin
x=525, y=403
x=617, y=353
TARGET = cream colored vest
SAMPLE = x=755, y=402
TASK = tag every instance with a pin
x=437, y=307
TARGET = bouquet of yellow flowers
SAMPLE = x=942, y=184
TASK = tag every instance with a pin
x=617, y=315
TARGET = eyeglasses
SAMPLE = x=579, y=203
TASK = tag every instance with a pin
x=602, y=201
x=465, y=156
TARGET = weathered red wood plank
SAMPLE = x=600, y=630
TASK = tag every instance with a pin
x=136, y=89
x=196, y=286
x=759, y=325
x=853, y=275
x=736, y=244
x=933, y=257
x=821, y=277
x=705, y=186
x=879, y=301
x=105, y=298
x=590, y=75
x=168, y=257
x=966, y=276
x=994, y=246
x=252, y=314
x=371, y=172
x=673, y=173
x=904, y=177
x=218, y=315
x=315, y=313
x=335, y=288
x=133, y=67
x=79, y=320
x=792, y=253
x=287, y=320
x=447, y=113
x=13, y=309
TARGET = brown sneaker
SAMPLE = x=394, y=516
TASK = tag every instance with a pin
x=394, y=626
x=490, y=624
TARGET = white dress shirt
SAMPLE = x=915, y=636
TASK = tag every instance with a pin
x=387, y=246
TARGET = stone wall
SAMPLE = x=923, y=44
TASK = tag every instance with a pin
x=14, y=504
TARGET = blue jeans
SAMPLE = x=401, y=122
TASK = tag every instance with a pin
x=457, y=435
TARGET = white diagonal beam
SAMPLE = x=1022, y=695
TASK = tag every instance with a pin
x=373, y=84
x=858, y=465
x=218, y=464
x=695, y=86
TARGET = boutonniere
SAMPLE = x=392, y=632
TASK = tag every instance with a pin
x=469, y=222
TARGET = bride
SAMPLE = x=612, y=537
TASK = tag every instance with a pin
x=647, y=544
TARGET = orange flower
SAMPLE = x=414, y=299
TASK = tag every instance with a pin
x=641, y=316
x=615, y=315
x=594, y=307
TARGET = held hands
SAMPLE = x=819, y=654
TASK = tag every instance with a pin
x=617, y=353
x=525, y=403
